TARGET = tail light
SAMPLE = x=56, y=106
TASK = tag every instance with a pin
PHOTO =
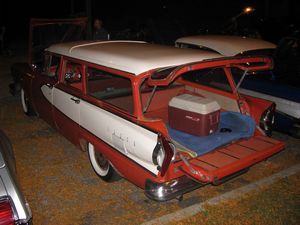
x=267, y=120
x=162, y=154
x=6, y=213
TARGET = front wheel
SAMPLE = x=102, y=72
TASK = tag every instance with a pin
x=27, y=108
x=101, y=165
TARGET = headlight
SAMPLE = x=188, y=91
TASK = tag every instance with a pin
x=267, y=120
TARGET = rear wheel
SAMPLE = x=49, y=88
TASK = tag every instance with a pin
x=27, y=108
x=295, y=131
x=101, y=165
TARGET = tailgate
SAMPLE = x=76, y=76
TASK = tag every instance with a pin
x=230, y=159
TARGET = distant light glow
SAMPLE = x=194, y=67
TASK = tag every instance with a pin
x=248, y=9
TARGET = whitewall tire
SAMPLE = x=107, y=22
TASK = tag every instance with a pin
x=27, y=109
x=101, y=165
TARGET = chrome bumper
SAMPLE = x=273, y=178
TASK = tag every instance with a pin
x=171, y=189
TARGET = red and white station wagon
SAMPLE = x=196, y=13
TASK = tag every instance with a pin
x=167, y=119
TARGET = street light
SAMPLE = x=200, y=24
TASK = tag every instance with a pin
x=246, y=10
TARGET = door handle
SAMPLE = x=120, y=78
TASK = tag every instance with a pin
x=76, y=100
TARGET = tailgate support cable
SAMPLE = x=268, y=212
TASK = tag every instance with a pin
x=149, y=99
x=240, y=81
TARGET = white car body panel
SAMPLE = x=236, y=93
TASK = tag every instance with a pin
x=130, y=56
x=282, y=105
x=47, y=92
x=226, y=45
x=62, y=101
x=132, y=140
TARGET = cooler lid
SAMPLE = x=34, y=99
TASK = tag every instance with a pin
x=194, y=104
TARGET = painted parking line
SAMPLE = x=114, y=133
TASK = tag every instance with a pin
x=234, y=194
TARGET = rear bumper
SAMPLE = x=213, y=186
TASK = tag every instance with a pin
x=27, y=223
x=171, y=189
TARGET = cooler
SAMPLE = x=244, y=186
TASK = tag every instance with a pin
x=194, y=114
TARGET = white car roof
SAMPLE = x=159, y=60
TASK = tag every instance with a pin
x=130, y=56
x=227, y=45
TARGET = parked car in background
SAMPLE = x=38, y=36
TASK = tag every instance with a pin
x=271, y=85
x=227, y=45
x=287, y=58
x=167, y=119
x=13, y=207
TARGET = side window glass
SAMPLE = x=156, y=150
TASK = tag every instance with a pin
x=73, y=75
x=51, y=66
x=111, y=88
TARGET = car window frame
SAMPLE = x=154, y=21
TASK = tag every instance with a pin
x=108, y=106
x=45, y=72
x=64, y=61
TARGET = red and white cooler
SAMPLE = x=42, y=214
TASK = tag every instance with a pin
x=194, y=114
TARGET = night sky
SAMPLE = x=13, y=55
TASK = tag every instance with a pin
x=191, y=15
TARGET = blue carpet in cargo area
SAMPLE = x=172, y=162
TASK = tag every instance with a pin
x=241, y=126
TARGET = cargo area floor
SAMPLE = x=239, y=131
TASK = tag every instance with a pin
x=233, y=126
x=241, y=154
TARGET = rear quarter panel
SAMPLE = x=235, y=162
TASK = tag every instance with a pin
x=257, y=106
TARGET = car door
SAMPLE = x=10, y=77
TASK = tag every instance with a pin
x=67, y=100
x=106, y=111
x=42, y=87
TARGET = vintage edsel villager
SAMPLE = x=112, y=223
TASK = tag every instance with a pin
x=167, y=119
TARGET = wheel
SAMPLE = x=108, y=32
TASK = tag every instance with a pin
x=295, y=131
x=27, y=108
x=6, y=149
x=101, y=165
